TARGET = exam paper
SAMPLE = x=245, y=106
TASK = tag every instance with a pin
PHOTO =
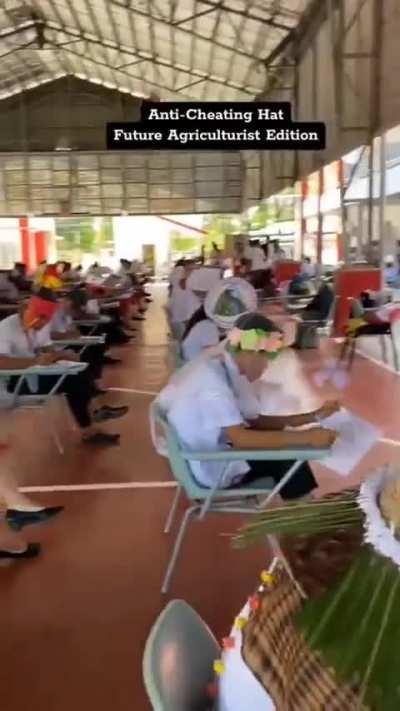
x=356, y=438
x=62, y=363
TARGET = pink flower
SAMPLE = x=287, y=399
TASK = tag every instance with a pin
x=272, y=344
x=235, y=336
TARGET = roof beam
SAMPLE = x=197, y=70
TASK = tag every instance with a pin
x=121, y=71
x=213, y=46
x=132, y=27
x=10, y=31
x=34, y=24
x=65, y=65
x=176, y=23
x=153, y=43
x=183, y=30
x=85, y=37
x=94, y=22
x=249, y=15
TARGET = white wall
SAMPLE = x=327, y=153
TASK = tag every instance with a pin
x=10, y=242
x=131, y=233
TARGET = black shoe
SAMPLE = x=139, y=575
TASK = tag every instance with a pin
x=31, y=551
x=17, y=520
x=109, y=413
x=109, y=360
x=102, y=438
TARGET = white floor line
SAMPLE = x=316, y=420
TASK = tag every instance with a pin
x=394, y=442
x=378, y=362
x=130, y=390
x=100, y=487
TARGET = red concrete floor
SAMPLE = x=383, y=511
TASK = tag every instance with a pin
x=74, y=623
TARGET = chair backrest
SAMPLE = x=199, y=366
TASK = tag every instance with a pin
x=178, y=660
x=330, y=319
x=356, y=308
x=179, y=466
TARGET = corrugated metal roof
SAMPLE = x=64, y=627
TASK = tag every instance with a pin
x=163, y=49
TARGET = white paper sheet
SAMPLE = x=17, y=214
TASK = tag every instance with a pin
x=60, y=363
x=356, y=438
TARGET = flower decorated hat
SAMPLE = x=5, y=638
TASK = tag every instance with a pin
x=228, y=300
x=255, y=333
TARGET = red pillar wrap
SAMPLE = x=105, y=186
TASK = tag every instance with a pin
x=285, y=271
x=41, y=251
x=26, y=251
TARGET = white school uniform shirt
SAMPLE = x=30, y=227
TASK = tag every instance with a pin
x=17, y=343
x=61, y=322
x=258, y=259
x=176, y=275
x=308, y=270
x=182, y=304
x=203, y=335
x=207, y=396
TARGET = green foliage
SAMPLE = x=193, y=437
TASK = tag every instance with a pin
x=183, y=244
x=218, y=227
x=83, y=235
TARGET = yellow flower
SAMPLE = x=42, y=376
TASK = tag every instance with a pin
x=267, y=578
x=219, y=667
x=240, y=623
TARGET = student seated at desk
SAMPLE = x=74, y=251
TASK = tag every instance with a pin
x=62, y=328
x=19, y=277
x=391, y=272
x=317, y=310
x=200, y=333
x=375, y=321
x=183, y=303
x=87, y=307
x=211, y=405
x=9, y=293
x=25, y=342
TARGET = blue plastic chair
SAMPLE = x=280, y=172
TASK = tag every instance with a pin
x=178, y=660
x=242, y=500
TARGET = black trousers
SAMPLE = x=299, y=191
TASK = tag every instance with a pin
x=94, y=356
x=302, y=482
x=79, y=390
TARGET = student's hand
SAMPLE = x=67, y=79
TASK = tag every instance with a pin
x=328, y=408
x=46, y=359
x=67, y=355
x=322, y=439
